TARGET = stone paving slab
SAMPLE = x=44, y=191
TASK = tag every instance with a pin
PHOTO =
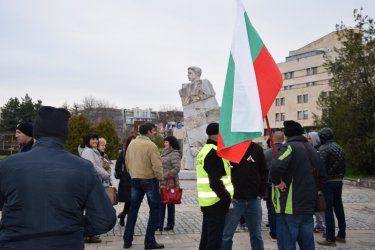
x=356, y=239
x=359, y=206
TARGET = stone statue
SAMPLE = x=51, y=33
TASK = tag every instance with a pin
x=200, y=108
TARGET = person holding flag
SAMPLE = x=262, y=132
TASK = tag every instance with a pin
x=215, y=190
x=252, y=83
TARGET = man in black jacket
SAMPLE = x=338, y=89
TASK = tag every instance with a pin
x=333, y=159
x=24, y=136
x=52, y=198
x=294, y=197
x=249, y=178
x=214, y=190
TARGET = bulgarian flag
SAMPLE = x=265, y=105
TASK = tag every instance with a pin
x=252, y=83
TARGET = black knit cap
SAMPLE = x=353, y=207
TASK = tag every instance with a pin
x=51, y=122
x=212, y=129
x=292, y=128
x=26, y=128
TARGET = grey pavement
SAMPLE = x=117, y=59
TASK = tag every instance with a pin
x=359, y=206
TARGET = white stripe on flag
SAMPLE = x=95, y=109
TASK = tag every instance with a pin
x=247, y=112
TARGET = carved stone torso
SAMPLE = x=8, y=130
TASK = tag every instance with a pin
x=196, y=91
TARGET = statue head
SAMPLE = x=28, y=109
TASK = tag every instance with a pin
x=194, y=73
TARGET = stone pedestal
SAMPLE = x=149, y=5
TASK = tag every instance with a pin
x=200, y=108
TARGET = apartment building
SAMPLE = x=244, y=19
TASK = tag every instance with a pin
x=305, y=77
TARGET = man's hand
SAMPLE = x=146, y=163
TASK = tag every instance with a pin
x=282, y=186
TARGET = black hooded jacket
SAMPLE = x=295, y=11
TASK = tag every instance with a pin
x=332, y=155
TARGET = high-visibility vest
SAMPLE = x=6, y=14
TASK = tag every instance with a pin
x=206, y=196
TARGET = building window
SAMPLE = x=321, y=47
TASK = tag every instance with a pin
x=310, y=84
x=305, y=115
x=312, y=71
x=305, y=98
x=289, y=75
x=282, y=101
x=280, y=117
x=299, y=115
x=299, y=98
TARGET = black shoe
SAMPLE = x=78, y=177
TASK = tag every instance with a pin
x=93, y=239
x=120, y=215
x=168, y=228
x=340, y=239
x=160, y=229
x=267, y=225
x=154, y=246
x=122, y=221
x=127, y=244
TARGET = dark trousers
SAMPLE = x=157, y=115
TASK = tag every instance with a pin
x=271, y=213
x=140, y=188
x=125, y=211
x=333, y=196
x=171, y=215
x=212, y=231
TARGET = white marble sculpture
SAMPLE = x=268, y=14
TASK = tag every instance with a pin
x=200, y=108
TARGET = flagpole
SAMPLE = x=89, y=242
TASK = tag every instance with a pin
x=271, y=137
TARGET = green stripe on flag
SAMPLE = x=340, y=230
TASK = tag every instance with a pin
x=255, y=42
x=231, y=138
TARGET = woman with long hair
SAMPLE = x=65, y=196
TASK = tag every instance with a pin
x=171, y=159
x=124, y=186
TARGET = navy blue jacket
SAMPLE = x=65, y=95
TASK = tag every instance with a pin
x=296, y=169
x=52, y=199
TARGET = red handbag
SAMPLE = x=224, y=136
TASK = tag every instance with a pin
x=170, y=195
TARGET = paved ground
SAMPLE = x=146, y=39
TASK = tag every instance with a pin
x=359, y=208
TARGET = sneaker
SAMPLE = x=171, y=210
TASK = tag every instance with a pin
x=326, y=243
x=339, y=239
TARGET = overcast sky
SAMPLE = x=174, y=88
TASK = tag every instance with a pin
x=136, y=52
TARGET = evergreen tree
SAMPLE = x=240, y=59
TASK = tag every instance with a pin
x=9, y=115
x=15, y=111
x=28, y=109
x=349, y=109
x=79, y=126
x=106, y=130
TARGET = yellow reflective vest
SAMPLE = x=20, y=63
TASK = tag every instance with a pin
x=206, y=196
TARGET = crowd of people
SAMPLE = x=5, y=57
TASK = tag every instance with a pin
x=55, y=200
x=292, y=177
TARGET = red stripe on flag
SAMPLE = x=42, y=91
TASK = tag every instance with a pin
x=269, y=79
x=234, y=153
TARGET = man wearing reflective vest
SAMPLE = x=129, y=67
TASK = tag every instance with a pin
x=215, y=190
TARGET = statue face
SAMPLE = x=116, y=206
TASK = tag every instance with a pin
x=192, y=76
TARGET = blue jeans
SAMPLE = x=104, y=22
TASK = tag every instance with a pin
x=332, y=194
x=140, y=187
x=171, y=215
x=295, y=228
x=251, y=210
